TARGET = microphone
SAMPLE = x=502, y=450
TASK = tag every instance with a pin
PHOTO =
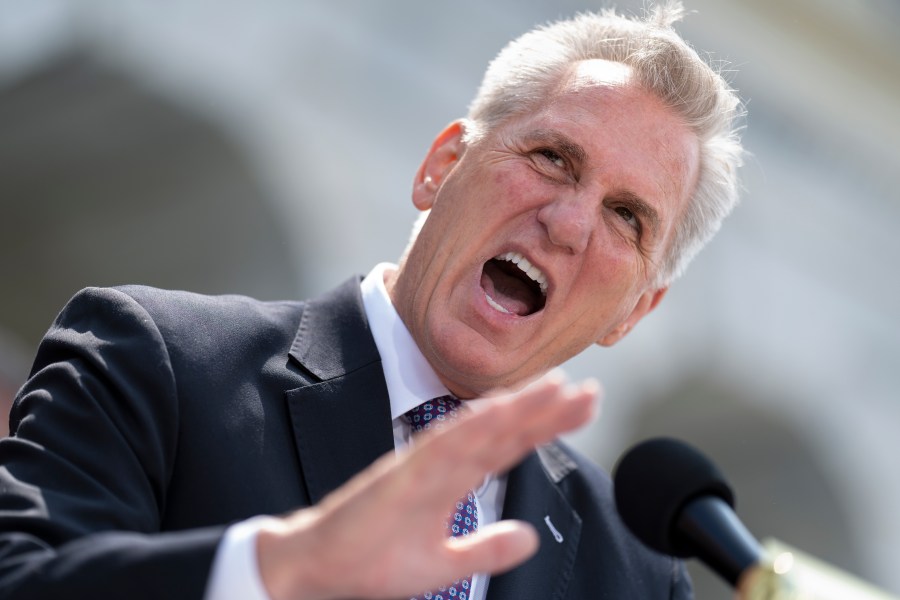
x=676, y=501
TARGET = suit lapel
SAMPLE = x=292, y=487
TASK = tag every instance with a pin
x=341, y=423
x=532, y=496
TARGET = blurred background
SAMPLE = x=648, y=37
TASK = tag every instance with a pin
x=268, y=148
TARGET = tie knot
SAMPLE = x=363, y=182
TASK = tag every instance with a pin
x=433, y=414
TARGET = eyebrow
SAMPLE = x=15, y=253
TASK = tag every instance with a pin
x=575, y=152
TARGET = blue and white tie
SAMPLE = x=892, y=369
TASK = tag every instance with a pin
x=464, y=520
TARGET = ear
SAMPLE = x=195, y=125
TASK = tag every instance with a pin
x=647, y=302
x=445, y=151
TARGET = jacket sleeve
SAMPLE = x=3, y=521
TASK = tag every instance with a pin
x=84, y=473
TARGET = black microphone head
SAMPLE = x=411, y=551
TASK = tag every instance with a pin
x=654, y=481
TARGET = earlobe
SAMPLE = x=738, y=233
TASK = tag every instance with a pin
x=646, y=303
x=442, y=156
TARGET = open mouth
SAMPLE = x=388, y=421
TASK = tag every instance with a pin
x=513, y=285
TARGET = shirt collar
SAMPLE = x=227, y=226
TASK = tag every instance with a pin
x=409, y=377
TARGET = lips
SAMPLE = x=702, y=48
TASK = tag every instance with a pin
x=513, y=285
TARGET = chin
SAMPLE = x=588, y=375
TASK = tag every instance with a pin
x=472, y=374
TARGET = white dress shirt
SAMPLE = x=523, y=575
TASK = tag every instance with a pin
x=410, y=381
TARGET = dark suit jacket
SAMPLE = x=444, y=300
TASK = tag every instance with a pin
x=152, y=419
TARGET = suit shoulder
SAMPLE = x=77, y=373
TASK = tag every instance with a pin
x=153, y=299
x=188, y=320
x=158, y=300
x=232, y=313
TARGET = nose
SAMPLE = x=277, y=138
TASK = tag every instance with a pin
x=569, y=222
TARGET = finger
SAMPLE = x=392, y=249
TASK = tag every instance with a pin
x=495, y=548
x=535, y=414
x=512, y=429
x=546, y=408
x=569, y=407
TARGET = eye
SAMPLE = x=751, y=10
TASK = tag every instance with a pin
x=553, y=157
x=628, y=216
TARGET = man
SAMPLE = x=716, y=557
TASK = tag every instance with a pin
x=157, y=427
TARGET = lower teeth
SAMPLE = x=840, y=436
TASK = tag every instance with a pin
x=493, y=303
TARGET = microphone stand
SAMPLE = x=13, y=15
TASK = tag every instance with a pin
x=785, y=573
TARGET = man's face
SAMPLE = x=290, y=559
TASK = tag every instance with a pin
x=584, y=193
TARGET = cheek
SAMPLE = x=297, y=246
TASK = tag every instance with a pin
x=615, y=265
x=610, y=292
x=515, y=187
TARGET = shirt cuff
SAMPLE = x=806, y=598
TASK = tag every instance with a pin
x=235, y=570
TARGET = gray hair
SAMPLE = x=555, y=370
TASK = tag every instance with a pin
x=526, y=71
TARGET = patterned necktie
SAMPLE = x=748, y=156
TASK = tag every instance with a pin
x=464, y=520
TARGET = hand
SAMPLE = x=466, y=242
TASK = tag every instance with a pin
x=383, y=534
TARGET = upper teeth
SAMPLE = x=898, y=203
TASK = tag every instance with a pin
x=526, y=267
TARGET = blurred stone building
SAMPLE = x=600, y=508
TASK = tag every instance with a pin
x=267, y=148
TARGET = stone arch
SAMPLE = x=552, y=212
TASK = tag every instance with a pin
x=103, y=182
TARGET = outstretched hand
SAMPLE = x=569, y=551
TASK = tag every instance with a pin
x=383, y=534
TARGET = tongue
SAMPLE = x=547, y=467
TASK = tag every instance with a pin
x=508, y=290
